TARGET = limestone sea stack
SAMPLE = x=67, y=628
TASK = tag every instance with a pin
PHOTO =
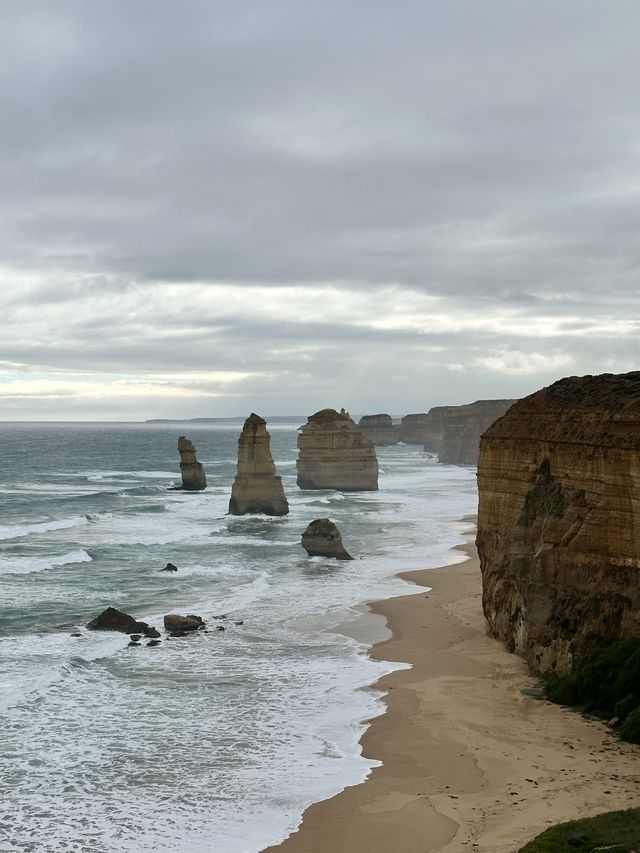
x=559, y=520
x=322, y=539
x=193, y=476
x=378, y=429
x=335, y=455
x=257, y=487
x=412, y=428
x=461, y=428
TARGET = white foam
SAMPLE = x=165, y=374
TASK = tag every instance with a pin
x=16, y=531
x=16, y=565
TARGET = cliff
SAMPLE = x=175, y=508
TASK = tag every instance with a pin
x=335, y=455
x=412, y=428
x=257, y=487
x=193, y=476
x=378, y=429
x=462, y=427
x=559, y=520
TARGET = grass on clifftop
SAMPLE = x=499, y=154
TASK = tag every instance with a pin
x=605, y=683
x=615, y=832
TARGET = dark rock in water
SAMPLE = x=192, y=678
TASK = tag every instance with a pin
x=175, y=634
x=152, y=632
x=133, y=644
x=220, y=628
x=169, y=568
x=322, y=539
x=115, y=620
x=222, y=616
x=241, y=622
x=198, y=619
x=135, y=638
x=153, y=643
x=193, y=476
x=77, y=634
x=174, y=622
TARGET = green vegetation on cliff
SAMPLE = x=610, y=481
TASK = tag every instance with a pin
x=615, y=832
x=606, y=683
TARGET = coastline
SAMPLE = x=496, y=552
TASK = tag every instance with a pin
x=468, y=761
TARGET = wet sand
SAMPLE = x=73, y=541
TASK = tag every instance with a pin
x=469, y=762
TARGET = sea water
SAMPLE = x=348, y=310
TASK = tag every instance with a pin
x=218, y=740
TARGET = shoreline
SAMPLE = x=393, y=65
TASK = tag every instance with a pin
x=468, y=761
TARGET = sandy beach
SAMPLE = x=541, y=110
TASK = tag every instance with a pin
x=469, y=762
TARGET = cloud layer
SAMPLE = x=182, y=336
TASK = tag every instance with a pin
x=212, y=207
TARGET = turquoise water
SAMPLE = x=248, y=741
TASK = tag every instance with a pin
x=223, y=738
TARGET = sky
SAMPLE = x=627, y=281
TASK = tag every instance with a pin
x=211, y=208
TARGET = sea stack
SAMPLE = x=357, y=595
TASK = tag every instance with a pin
x=257, y=487
x=193, y=477
x=559, y=520
x=334, y=454
x=378, y=429
x=322, y=539
x=454, y=431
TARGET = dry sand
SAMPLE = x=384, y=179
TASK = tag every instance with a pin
x=469, y=762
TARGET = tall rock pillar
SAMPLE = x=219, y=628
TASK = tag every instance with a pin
x=257, y=487
x=193, y=476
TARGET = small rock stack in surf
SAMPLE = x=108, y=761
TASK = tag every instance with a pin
x=257, y=487
x=193, y=476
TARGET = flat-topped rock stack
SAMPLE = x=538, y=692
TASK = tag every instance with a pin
x=461, y=428
x=412, y=428
x=193, y=476
x=379, y=429
x=334, y=454
x=559, y=520
x=257, y=487
x=434, y=427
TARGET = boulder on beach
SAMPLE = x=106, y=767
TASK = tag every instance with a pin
x=112, y=619
x=322, y=539
x=175, y=623
x=257, y=487
x=193, y=476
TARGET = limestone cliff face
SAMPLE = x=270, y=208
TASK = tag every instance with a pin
x=559, y=520
x=257, y=487
x=193, y=476
x=412, y=428
x=434, y=427
x=462, y=427
x=335, y=455
x=378, y=429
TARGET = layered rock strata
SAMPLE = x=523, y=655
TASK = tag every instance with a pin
x=335, y=455
x=193, y=476
x=461, y=428
x=257, y=487
x=322, y=539
x=412, y=428
x=559, y=520
x=378, y=429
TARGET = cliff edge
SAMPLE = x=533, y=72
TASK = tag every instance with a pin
x=559, y=520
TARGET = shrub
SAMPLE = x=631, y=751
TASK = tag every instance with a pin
x=631, y=727
x=616, y=832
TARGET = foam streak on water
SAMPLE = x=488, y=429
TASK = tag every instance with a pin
x=219, y=740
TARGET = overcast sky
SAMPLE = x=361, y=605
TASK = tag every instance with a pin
x=208, y=208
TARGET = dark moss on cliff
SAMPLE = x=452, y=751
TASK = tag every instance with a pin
x=605, y=683
x=616, y=832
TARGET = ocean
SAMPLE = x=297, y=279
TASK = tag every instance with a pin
x=218, y=740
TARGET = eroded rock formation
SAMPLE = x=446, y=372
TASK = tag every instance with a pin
x=322, y=539
x=412, y=428
x=257, y=487
x=193, y=476
x=559, y=520
x=462, y=427
x=113, y=619
x=378, y=429
x=335, y=455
